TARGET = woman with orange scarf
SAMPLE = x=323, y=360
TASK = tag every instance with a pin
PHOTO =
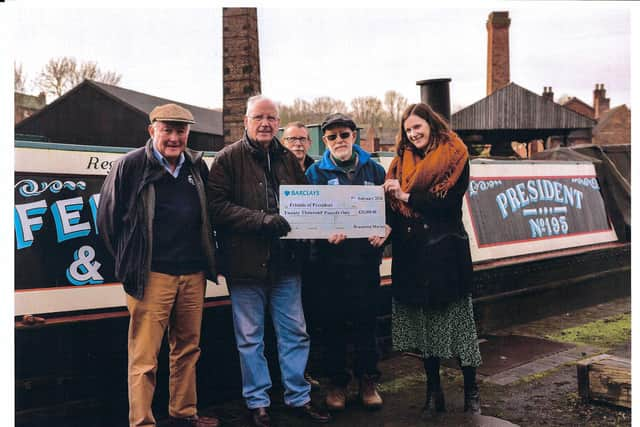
x=431, y=270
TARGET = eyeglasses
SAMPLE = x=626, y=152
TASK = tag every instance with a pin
x=270, y=119
x=294, y=139
x=343, y=135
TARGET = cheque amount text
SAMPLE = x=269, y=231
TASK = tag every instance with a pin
x=342, y=212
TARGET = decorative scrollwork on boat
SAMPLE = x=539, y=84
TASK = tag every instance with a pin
x=30, y=187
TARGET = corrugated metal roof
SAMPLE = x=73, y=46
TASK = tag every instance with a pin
x=514, y=107
x=207, y=121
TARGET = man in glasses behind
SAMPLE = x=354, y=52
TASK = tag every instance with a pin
x=351, y=270
x=296, y=138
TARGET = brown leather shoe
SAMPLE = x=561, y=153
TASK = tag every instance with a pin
x=308, y=412
x=260, y=417
x=336, y=398
x=195, y=421
x=368, y=394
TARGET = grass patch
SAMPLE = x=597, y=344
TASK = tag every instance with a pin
x=538, y=376
x=604, y=333
x=401, y=383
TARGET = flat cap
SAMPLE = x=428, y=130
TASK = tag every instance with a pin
x=171, y=113
x=337, y=119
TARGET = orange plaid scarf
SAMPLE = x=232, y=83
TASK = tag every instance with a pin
x=436, y=172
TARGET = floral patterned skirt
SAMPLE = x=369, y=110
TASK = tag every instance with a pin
x=446, y=333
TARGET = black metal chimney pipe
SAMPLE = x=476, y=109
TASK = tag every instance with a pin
x=435, y=93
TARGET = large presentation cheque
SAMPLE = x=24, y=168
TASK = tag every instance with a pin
x=317, y=211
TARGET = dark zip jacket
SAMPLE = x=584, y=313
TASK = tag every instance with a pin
x=239, y=200
x=126, y=210
x=352, y=252
x=308, y=161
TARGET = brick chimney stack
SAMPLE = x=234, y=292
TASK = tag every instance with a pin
x=497, y=51
x=240, y=67
x=600, y=101
x=548, y=93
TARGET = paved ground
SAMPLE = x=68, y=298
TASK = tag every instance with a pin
x=540, y=393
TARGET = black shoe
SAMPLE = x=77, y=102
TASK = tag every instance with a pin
x=437, y=397
x=471, y=393
x=260, y=417
x=472, y=401
x=308, y=412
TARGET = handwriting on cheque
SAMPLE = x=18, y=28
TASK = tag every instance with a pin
x=321, y=210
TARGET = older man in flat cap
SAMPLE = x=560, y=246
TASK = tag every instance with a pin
x=153, y=218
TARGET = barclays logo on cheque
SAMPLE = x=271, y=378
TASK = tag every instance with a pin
x=288, y=193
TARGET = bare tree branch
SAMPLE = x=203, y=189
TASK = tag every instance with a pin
x=394, y=104
x=55, y=77
x=87, y=70
x=109, y=77
x=60, y=75
x=20, y=78
x=367, y=110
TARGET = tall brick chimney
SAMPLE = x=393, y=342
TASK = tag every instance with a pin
x=241, y=67
x=600, y=101
x=497, y=51
x=547, y=93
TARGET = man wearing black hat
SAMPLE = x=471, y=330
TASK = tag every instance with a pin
x=352, y=267
x=153, y=218
x=262, y=270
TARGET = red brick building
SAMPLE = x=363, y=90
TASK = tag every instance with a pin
x=497, y=51
x=614, y=127
x=25, y=105
x=241, y=67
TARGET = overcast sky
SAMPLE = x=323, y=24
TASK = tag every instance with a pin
x=176, y=53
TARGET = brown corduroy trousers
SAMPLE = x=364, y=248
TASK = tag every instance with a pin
x=173, y=302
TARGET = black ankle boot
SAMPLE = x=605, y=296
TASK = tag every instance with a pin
x=437, y=396
x=471, y=393
x=434, y=391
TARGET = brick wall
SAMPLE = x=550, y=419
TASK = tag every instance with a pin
x=600, y=100
x=369, y=141
x=548, y=93
x=21, y=113
x=241, y=67
x=497, y=51
x=616, y=129
x=26, y=105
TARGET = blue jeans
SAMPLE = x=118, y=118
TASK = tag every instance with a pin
x=248, y=303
